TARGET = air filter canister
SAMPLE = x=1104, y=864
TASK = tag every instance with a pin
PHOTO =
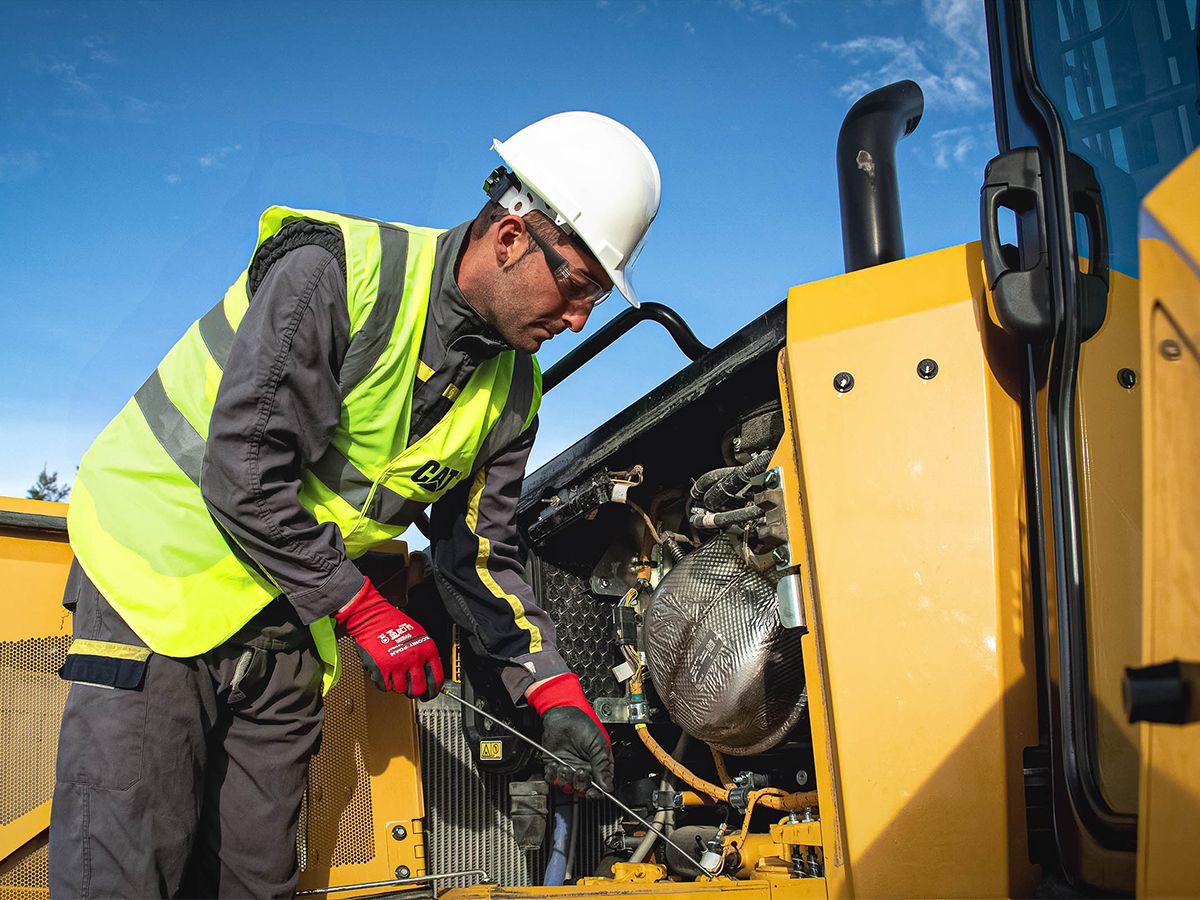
x=719, y=658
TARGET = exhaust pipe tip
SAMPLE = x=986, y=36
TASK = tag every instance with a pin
x=868, y=188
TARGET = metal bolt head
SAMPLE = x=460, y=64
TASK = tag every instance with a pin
x=1127, y=378
x=772, y=479
x=780, y=555
x=801, y=777
x=927, y=368
x=843, y=382
x=1170, y=350
x=807, y=815
x=399, y=832
x=402, y=871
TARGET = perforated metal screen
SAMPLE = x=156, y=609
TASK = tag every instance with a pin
x=32, y=697
x=336, y=825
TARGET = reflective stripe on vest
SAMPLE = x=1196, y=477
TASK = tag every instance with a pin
x=138, y=521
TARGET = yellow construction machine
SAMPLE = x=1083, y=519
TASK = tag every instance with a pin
x=871, y=595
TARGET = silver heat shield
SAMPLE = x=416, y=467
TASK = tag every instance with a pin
x=719, y=658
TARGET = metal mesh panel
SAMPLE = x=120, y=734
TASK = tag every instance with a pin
x=32, y=697
x=584, y=627
x=467, y=824
x=336, y=826
x=32, y=874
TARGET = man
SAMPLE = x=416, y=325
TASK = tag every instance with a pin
x=355, y=373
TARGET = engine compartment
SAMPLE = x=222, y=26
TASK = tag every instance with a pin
x=652, y=544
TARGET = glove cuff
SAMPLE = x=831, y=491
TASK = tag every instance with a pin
x=561, y=690
x=564, y=690
x=366, y=596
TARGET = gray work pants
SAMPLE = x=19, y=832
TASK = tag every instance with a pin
x=190, y=783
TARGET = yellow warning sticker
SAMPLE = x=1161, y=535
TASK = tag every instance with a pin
x=491, y=750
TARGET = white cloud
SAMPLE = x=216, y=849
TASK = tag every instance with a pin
x=689, y=27
x=214, y=158
x=98, y=50
x=172, y=178
x=948, y=61
x=18, y=164
x=953, y=144
x=779, y=10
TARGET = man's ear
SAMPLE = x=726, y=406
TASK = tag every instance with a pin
x=511, y=241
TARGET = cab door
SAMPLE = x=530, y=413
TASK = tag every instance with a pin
x=1101, y=97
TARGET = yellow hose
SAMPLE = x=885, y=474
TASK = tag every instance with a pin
x=776, y=800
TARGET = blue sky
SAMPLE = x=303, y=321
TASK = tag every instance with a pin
x=139, y=141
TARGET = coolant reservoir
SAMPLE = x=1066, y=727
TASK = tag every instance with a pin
x=719, y=657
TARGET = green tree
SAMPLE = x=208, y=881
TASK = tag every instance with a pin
x=47, y=488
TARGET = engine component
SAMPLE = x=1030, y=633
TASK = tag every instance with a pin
x=727, y=670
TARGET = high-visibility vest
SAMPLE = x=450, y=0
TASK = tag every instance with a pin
x=138, y=522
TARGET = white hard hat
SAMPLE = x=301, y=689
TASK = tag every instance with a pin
x=598, y=179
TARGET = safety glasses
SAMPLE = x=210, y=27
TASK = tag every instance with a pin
x=577, y=286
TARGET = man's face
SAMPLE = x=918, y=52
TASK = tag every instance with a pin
x=528, y=305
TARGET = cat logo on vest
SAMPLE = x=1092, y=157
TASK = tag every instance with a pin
x=434, y=476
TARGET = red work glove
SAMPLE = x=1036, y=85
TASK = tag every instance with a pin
x=572, y=732
x=396, y=651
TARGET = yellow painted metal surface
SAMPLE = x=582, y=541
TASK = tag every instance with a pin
x=1169, y=805
x=912, y=510
x=364, y=782
x=35, y=632
x=1110, y=460
x=753, y=889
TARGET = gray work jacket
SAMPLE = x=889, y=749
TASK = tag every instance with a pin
x=276, y=410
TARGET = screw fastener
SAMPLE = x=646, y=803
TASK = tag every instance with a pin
x=399, y=832
x=1126, y=378
x=927, y=368
x=843, y=382
x=402, y=871
x=1170, y=350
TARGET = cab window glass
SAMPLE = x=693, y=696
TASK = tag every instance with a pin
x=1123, y=76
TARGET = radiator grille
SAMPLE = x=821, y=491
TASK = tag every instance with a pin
x=467, y=824
x=336, y=824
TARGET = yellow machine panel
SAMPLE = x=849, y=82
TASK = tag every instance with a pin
x=362, y=819
x=1110, y=456
x=1169, y=806
x=907, y=425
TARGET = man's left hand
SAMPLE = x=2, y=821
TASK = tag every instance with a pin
x=572, y=732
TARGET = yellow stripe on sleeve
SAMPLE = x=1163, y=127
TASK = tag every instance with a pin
x=481, y=567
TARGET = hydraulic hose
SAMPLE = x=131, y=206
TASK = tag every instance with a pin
x=724, y=494
x=664, y=817
x=786, y=803
x=729, y=517
x=556, y=865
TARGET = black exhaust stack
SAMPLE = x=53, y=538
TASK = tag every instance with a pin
x=866, y=166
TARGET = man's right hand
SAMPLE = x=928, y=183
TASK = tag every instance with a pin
x=573, y=733
x=397, y=652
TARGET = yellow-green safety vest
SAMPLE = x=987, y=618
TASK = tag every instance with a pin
x=138, y=522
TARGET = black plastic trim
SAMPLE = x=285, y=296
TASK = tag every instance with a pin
x=1109, y=828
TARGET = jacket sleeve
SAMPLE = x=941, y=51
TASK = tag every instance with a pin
x=275, y=412
x=477, y=564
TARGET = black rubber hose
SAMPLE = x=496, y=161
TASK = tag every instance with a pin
x=708, y=479
x=724, y=493
x=729, y=517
